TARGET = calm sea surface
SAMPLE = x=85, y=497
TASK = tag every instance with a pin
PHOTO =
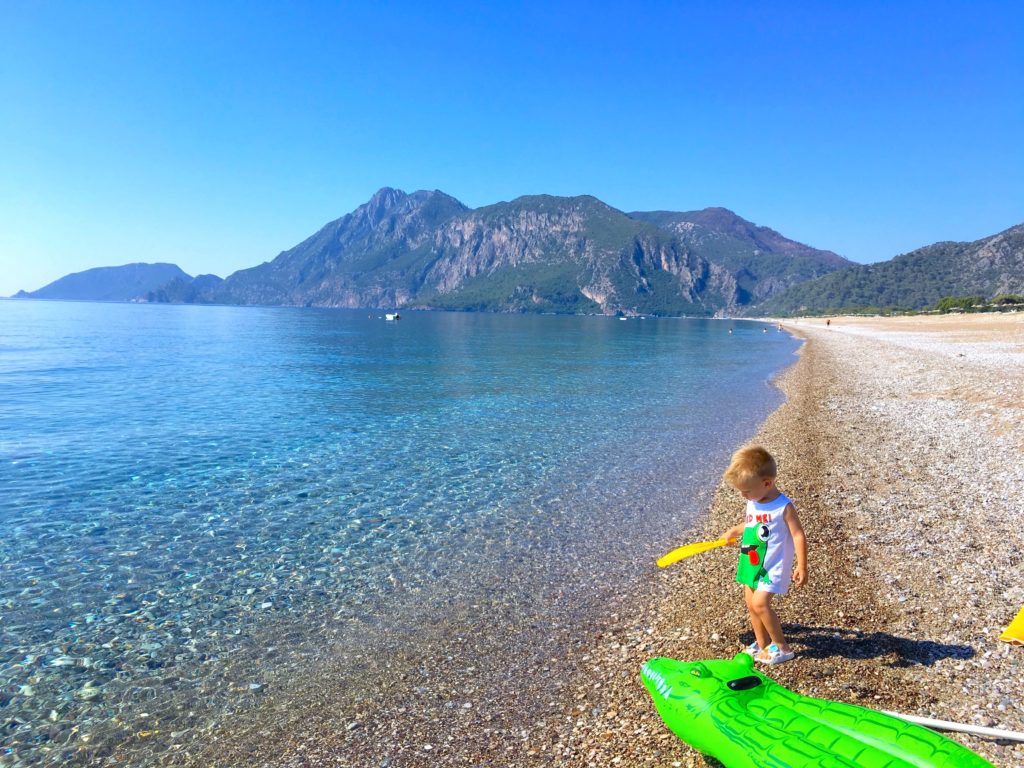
x=194, y=500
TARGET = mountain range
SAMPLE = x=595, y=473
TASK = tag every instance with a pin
x=542, y=253
x=534, y=254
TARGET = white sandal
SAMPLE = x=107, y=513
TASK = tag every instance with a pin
x=752, y=650
x=775, y=655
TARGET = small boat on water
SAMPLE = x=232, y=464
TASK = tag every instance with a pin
x=392, y=316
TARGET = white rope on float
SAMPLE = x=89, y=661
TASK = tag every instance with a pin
x=945, y=725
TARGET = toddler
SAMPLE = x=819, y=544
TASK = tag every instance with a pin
x=770, y=537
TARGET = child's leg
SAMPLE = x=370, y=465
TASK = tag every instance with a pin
x=760, y=606
x=760, y=631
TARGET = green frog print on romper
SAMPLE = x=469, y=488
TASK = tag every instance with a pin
x=753, y=548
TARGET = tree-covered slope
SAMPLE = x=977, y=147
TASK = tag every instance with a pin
x=915, y=280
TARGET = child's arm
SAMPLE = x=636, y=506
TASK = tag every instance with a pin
x=799, y=544
x=733, y=534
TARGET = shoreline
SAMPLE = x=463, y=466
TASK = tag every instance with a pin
x=892, y=435
x=900, y=452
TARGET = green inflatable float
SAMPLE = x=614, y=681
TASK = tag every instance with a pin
x=728, y=710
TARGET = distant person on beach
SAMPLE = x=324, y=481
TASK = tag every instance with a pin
x=770, y=536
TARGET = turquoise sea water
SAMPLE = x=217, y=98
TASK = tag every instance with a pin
x=180, y=484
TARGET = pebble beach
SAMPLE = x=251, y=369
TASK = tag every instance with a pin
x=899, y=442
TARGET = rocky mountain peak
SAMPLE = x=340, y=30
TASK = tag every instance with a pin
x=384, y=201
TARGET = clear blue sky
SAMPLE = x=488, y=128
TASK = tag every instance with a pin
x=215, y=135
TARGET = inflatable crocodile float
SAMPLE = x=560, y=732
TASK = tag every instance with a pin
x=728, y=710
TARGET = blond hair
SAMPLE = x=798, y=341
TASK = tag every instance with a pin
x=750, y=463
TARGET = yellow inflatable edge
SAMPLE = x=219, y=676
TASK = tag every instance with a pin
x=1015, y=632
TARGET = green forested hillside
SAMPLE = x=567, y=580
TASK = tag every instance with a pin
x=916, y=280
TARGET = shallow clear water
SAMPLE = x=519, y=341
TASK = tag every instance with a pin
x=180, y=483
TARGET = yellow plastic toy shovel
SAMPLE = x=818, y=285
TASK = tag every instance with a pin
x=1015, y=632
x=690, y=549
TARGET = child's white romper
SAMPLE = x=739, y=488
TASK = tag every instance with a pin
x=779, y=552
